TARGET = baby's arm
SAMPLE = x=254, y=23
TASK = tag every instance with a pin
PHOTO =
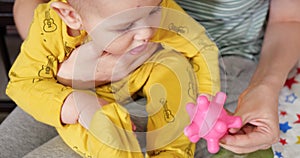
x=33, y=85
x=194, y=43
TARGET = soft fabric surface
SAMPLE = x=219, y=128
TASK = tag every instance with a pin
x=289, y=118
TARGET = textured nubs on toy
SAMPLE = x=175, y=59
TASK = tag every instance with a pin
x=210, y=121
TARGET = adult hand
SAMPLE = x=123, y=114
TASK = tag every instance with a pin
x=257, y=107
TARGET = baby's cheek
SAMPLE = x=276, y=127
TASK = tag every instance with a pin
x=122, y=44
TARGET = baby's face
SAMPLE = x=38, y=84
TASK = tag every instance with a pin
x=124, y=26
x=98, y=10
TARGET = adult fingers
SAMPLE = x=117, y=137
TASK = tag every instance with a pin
x=242, y=150
x=247, y=142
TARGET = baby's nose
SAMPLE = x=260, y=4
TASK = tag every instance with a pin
x=143, y=34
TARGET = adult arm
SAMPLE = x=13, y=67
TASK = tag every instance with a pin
x=258, y=104
x=23, y=11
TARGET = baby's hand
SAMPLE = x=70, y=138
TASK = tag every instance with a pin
x=87, y=68
x=80, y=107
x=78, y=70
x=133, y=126
x=69, y=113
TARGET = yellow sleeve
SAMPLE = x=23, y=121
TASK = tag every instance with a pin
x=182, y=33
x=33, y=85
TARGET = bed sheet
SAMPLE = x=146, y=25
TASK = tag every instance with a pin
x=288, y=145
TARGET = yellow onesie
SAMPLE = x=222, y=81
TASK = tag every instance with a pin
x=166, y=80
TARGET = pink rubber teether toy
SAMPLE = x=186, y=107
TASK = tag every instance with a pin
x=210, y=121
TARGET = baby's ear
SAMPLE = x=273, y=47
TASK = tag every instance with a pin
x=68, y=14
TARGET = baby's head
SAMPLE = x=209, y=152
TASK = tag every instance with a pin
x=114, y=17
x=85, y=14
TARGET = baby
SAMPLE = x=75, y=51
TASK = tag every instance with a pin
x=70, y=48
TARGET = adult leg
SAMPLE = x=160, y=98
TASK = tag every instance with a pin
x=53, y=148
x=20, y=134
x=236, y=73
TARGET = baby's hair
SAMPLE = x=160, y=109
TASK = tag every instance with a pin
x=78, y=5
x=84, y=6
